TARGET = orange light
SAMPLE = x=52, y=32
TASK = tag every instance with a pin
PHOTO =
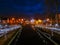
x=13, y=18
x=19, y=19
x=36, y=22
x=7, y=20
x=47, y=19
x=32, y=21
x=22, y=19
x=11, y=21
x=39, y=20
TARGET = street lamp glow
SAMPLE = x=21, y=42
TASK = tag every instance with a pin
x=13, y=18
x=39, y=20
x=11, y=21
x=8, y=20
x=36, y=22
x=19, y=19
x=22, y=19
x=47, y=19
x=32, y=21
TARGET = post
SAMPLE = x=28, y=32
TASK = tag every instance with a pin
x=56, y=19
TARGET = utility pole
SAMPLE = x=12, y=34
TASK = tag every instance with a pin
x=56, y=17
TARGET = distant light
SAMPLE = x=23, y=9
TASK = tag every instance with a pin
x=56, y=25
x=13, y=18
x=19, y=19
x=7, y=20
x=32, y=21
x=6, y=25
x=39, y=20
x=50, y=24
x=47, y=19
x=11, y=21
x=4, y=21
x=22, y=19
x=36, y=22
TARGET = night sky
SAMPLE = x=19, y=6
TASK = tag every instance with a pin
x=29, y=7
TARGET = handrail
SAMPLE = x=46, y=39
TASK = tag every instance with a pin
x=47, y=37
x=14, y=37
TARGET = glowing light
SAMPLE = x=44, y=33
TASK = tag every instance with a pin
x=36, y=22
x=19, y=19
x=27, y=22
x=22, y=19
x=56, y=25
x=4, y=21
x=39, y=20
x=32, y=21
x=13, y=18
x=8, y=21
x=11, y=21
x=47, y=19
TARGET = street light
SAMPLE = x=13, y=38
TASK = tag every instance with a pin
x=22, y=19
x=32, y=21
x=13, y=18
x=47, y=19
x=19, y=19
x=36, y=22
x=39, y=20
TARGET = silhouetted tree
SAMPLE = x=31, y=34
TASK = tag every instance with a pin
x=52, y=8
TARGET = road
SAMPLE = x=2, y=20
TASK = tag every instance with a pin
x=29, y=36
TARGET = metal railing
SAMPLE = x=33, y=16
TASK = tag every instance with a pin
x=45, y=36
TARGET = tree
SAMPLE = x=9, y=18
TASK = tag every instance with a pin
x=52, y=8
